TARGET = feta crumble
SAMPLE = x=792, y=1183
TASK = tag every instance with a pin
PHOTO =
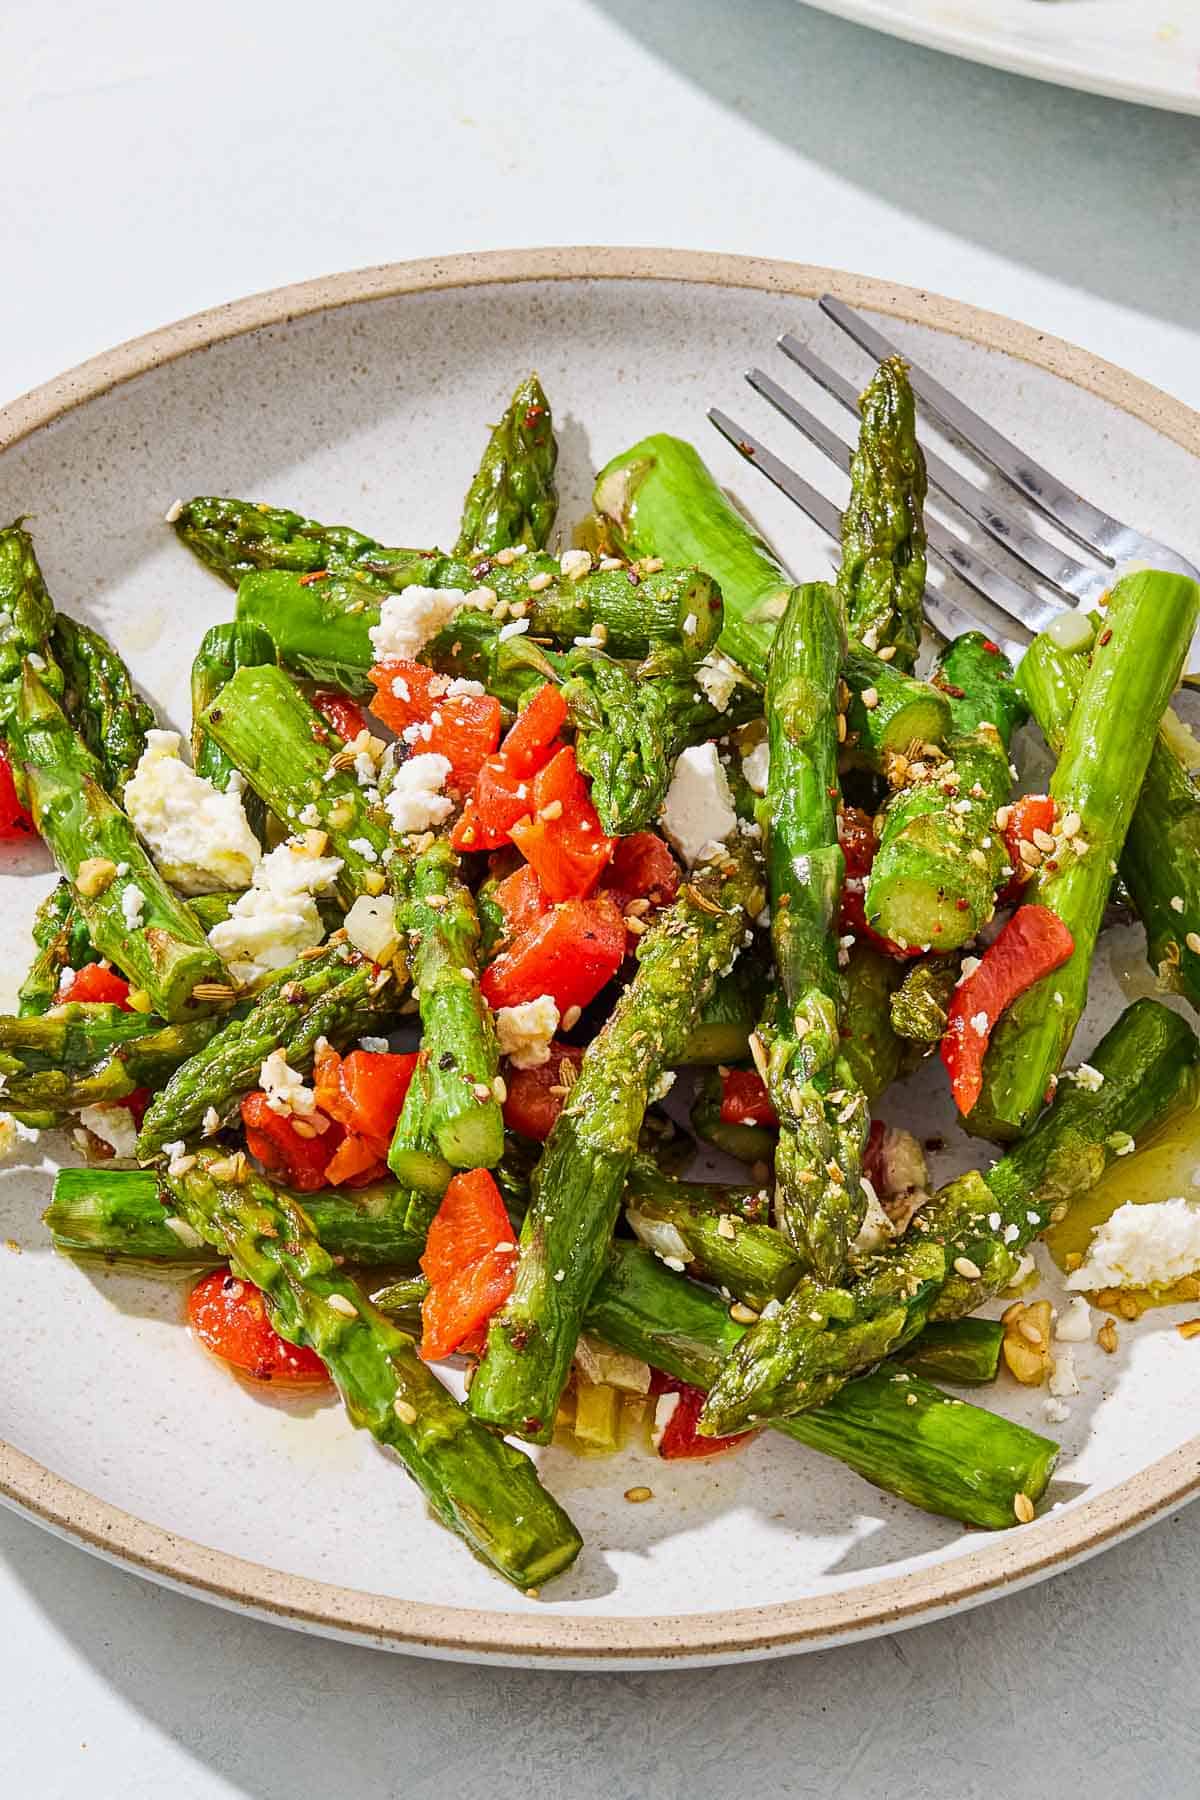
x=525, y=1032
x=409, y=619
x=1063, y=1382
x=756, y=767
x=198, y=836
x=374, y=1046
x=1085, y=1077
x=718, y=678
x=114, y=1126
x=285, y=1087
x=1074, y=1323
x=575, y=564
x=415, y=801
x=277, y=917
x=133, y=905
x=698, y=809
x=1143, y=1246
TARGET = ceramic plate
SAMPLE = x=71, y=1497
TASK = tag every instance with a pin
x=364, y=398
x=1119, y=47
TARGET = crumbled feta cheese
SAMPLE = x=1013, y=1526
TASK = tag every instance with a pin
x=980, y=1024
x=525, y=1032
x=374, y=1046
x=662, y=1086
x=513, y=629
x=114, y=1126
x=277, y=917
x=364, y=847
x=409, y=619
x=370, y=926
x=1063, y=1382
x=1074, y=1324
x=876, y=1229
x=1055, y=1412
x=415, y=800
x=197, y=835
x=698, y=809
x=718, y=677
x=462, y=689
x=691, y=625
x=1089, y=1079
x=285, y=1087
x=657, y=1235
x=133, y=904
x=575, y=564
x=756, y=767
x=665, y=1408
x=1143, y=1246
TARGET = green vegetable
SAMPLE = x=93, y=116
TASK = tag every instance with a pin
x=721, y=1034
x=726, y=1231
x=887, y=711
x=1134, y=671
x=287, y=753
x=873, y=1053
x=161, y=948
x=223, y=650
x=920, y=1005
x=337, y=994
x=1160, y=863
x=101, y=701
x=882, y=575
x=479, y=1486
x=578, y=1183
x=60, y=936
x=941, y=854
x=823, y=1118
x=26, y=622
x=82, y=1054
x=795, y=1360
x=748, y=1143
x=513, y=499
x=966, y=1351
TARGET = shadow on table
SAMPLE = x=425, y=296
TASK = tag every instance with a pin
x=1055, y=1673
x=1102, y=195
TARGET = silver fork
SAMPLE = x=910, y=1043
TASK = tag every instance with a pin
x=1107, y=542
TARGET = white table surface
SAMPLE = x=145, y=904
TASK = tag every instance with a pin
x=159, y=159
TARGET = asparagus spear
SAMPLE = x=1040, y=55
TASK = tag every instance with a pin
x=236, y=537
x=1134, y=671
x=88, y=1054
x=888, y=711
x=940, y=857
x=819, y=1199
x=223, y=650
x=970, y=1237
x=336, y=994
x=722, y=1234
x=133, y=918
x=721, y=1034
x=578, y=1182
x=119, y=1213
x=1160, y=863
x=512, y=498
x=61, y=938
x=479, y=1486
x=874, y=1054
x=921, y=1003
x=290, y=757
x=101, y=701
x=26, y=621
x=882, y=575
x=451, y=1117
x=748, y=1143
x=966, y=1351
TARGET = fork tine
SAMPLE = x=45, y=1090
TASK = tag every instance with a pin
x=1095, y=529
x=821, y=511
x=1000, y=589
x=1073, y=579
x=951, y=620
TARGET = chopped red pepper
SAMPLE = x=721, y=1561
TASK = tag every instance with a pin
x=680, y=1439
x=464, y=728
x=300, y=1162
x=520, y=898
x=1033, y=943
x=501, y=798
x=569, y=953
x=364, y=1093
x=137, y=1102
x=97, y=982
x=856, y=834
x=532, y=1105
x=745, y=1100
x=338, y=710
x=1032, y=812
x=15, y=822
x=563, y=839
x=470, y=832
x=532, y=740
x=230, y=1318
x=642, y=868
x=470, y=1262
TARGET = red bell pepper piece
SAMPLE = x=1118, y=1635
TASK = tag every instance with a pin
x=470, y=832
x=642, y=868
x=1033, y=943
x=745, y=1100
x=464, y=728
x=856, y=834
x=520, y=898
x=1029, y=813
x=15, y=822
x=299, y=1162
x=97, y=982
x=532, y=740
x=229, y=1317
x=338, y=710
x=680, y=1439
x=501, y=798
x=470, y=1261
x=531, y=1105
x=563, y=839
x=364, y=1092
x=569, y=953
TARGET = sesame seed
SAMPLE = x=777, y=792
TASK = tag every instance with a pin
x=571, y=1017
x=1192, y=940
x=405, y=1411
x=1023, y=1508
x=539, y=583
x=1042, y=839
x=338, y=1303
x=1070, y=825
x=966, y=1268
x=870, y=698
x=635, y=1495
x=887, y=653
x=742, y=1314
x=1177, y=903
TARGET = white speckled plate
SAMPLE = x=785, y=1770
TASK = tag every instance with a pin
x=1129, y=49
x=363, y=398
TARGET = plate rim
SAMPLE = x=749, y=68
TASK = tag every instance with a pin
x=1002, y=1563
x=983, y=48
